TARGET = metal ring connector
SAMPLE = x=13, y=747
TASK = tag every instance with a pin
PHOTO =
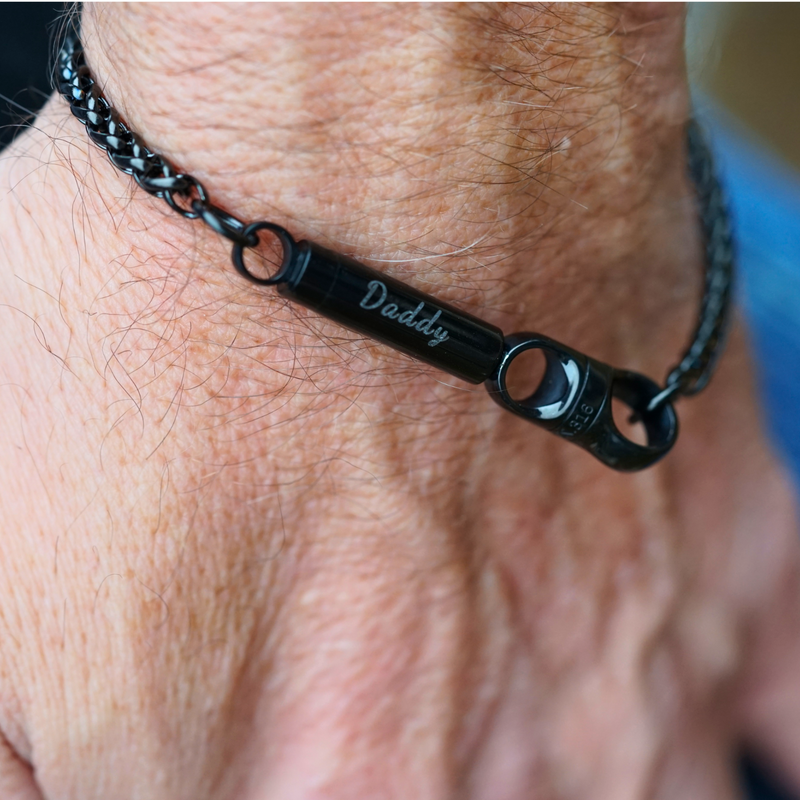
x=288, y=245
x=574, y=401
x=191, y=183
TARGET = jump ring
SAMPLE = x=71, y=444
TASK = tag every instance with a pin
x=287, y=243
x=191, y=183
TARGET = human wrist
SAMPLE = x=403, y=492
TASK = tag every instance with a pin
x=276, y=550
x=618, y=341
x=317, y=142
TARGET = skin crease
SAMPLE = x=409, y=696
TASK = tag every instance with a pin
x=247, y=554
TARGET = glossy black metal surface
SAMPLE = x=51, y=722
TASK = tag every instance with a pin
x=574, y=401
x=391, y=312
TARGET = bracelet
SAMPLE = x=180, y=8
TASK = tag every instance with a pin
x=574, y=397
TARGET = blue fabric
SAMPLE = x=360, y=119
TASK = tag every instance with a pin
x=764, y=196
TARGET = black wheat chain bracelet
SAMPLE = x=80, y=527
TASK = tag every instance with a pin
x=574, y=396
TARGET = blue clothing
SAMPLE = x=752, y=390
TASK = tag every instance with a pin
x=764, y=196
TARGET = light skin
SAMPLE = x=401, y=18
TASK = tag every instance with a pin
x=248, y=554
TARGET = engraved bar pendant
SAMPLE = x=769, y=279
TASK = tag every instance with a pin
x=573, y=399
x=392, y=312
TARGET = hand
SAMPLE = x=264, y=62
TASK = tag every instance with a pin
x=248, y=554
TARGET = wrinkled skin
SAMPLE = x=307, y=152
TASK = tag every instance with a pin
x=248, y=554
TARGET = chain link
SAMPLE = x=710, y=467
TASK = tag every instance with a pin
x=128, y=153
x=153, y=173
x=691, y=374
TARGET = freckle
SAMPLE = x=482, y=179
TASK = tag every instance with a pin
x=129, y=574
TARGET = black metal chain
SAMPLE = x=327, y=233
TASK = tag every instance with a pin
x=128, y=153
x=153, y=173
x=694, y=370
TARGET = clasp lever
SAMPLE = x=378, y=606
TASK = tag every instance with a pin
x=574, y=401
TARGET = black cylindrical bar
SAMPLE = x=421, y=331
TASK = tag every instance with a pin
x=392, y=312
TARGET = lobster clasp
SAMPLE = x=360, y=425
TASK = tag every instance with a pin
x=574, y=401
